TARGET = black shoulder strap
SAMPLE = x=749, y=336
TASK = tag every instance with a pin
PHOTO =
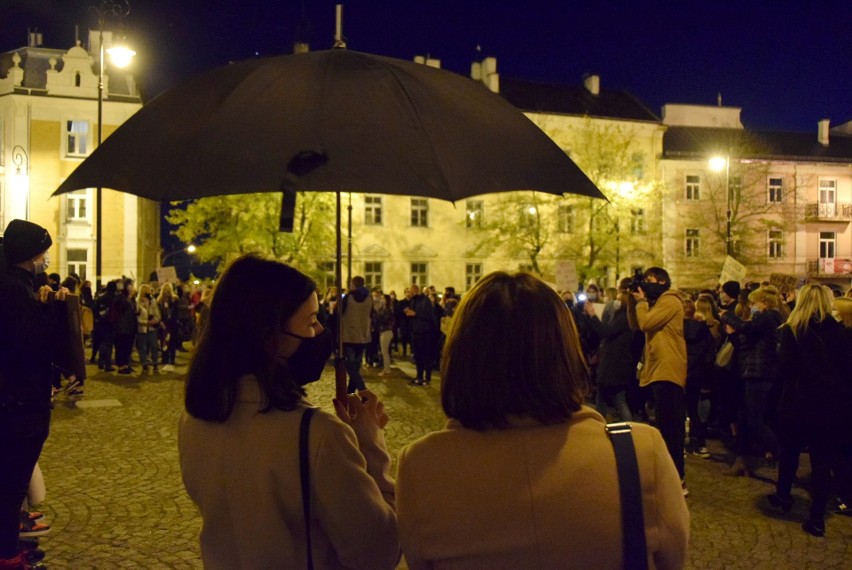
x=305, y=474
x=635, y=551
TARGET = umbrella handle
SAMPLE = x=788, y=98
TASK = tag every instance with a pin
x=340, y=378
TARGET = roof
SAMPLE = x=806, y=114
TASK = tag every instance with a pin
x=555, y=98
x=692, y=142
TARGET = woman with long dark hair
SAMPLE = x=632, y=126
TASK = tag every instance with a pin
x=239, y=437
x=524, y=475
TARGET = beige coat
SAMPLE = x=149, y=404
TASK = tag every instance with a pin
x=665, y=347
x=533, y=496
x=243, y=475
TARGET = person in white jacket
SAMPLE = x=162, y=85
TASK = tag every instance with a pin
x=239, y=436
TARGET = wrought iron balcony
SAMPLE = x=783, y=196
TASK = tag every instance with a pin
x=839, y=212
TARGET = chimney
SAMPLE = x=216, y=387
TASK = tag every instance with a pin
x=427, y=61
x=822, y=132
x=592, y=83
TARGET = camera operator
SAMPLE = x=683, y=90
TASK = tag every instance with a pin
x=29, y=323
x=657, y=311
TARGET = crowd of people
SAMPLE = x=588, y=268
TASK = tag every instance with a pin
x=529, y=378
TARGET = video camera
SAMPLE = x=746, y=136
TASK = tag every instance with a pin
x=636, y=281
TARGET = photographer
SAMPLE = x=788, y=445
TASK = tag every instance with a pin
x=657, y=311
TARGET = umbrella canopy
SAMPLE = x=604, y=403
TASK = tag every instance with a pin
x=387, y=126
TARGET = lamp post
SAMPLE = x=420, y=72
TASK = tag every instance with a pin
x=188, y=249
x=20, y=158
x=121, y=57
x=717, y=163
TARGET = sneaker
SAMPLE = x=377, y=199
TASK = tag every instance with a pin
x=125, y=370
x=31, y=528
x=416, y=382
x=33, y=516
x=72, y=386
x=701, y=452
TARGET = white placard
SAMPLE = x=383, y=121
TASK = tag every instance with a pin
x=732, y=270
x=566, y=275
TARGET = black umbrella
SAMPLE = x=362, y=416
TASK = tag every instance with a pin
x=386, y=126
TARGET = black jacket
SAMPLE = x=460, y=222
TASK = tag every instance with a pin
x=28, y=332
x=617, y=365
x=700, y=349
x=816, y=383
x=756, y=342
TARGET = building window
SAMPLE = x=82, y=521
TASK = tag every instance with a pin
x=472, y=274
x=638, y=161
x=693, y=187
x=328, y=274
x=776, y=244
x=474, y=210
x=78, y=262
x=776, y=190
x=565, y=219
x=78, y=202
x=419, y=212
x=637, y=221
x=736, y=184
x=77, y=138
x=373, y=210
x=827, y=244
x=373, y=274
x=420, y=274
x=691, y=246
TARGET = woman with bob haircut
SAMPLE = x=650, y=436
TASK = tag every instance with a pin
x=239, y=435
x=524, y=475
x=816, y=396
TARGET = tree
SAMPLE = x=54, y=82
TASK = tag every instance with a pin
x=753, y=213
x=224, y=227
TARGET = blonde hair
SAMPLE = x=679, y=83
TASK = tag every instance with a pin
x=768, y=295
x=813, y=302
x=166, y=293
x=843, y=306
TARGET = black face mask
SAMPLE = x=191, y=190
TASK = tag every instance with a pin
x=654, y=290
x=308, y=361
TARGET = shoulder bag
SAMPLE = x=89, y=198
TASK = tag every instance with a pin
x=634, y=548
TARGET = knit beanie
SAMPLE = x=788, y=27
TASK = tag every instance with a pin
x=24, y=240
x=731, y=289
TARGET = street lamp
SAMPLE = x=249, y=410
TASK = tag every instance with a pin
x=717, y=163
x=188, y=249
x=21, y=193
x=121, y=57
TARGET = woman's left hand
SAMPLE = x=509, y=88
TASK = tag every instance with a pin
x=362, y=408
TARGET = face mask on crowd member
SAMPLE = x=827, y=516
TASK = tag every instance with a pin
x=653, y=289
x=308, y=362
x=42, y=264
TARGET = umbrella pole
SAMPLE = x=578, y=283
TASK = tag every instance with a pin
x=339, y=360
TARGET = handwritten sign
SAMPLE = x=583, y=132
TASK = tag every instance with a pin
x=167, y=275
x=783, y=281
x=566, y=275
x=732, y=270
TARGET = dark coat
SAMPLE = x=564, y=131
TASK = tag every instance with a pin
x=756, y=343
x=617, y=365
x=28, y=333
x=700, y=348
x=816, y=382
x=425, y=320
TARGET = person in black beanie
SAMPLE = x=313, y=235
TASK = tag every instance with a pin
x=28, y=323
x=728, y=295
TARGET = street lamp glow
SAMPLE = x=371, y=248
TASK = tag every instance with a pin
x=718, y=163
x=531, y=210
x=190, y=248
x=120, y=55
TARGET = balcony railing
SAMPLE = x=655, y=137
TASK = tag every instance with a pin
x=829, y=212
x=830, y=266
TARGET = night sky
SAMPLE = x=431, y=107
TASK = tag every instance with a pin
x=787, y=64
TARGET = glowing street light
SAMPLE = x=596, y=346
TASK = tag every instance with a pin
x=717, y=164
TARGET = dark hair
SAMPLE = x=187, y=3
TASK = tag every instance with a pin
x=658, y=273
x=358, y=281
x=513, y=349
x=254, y=298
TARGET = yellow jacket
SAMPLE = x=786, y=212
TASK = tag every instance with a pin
x=665, y=348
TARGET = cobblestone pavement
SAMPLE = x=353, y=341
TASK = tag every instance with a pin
x=115, y=498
